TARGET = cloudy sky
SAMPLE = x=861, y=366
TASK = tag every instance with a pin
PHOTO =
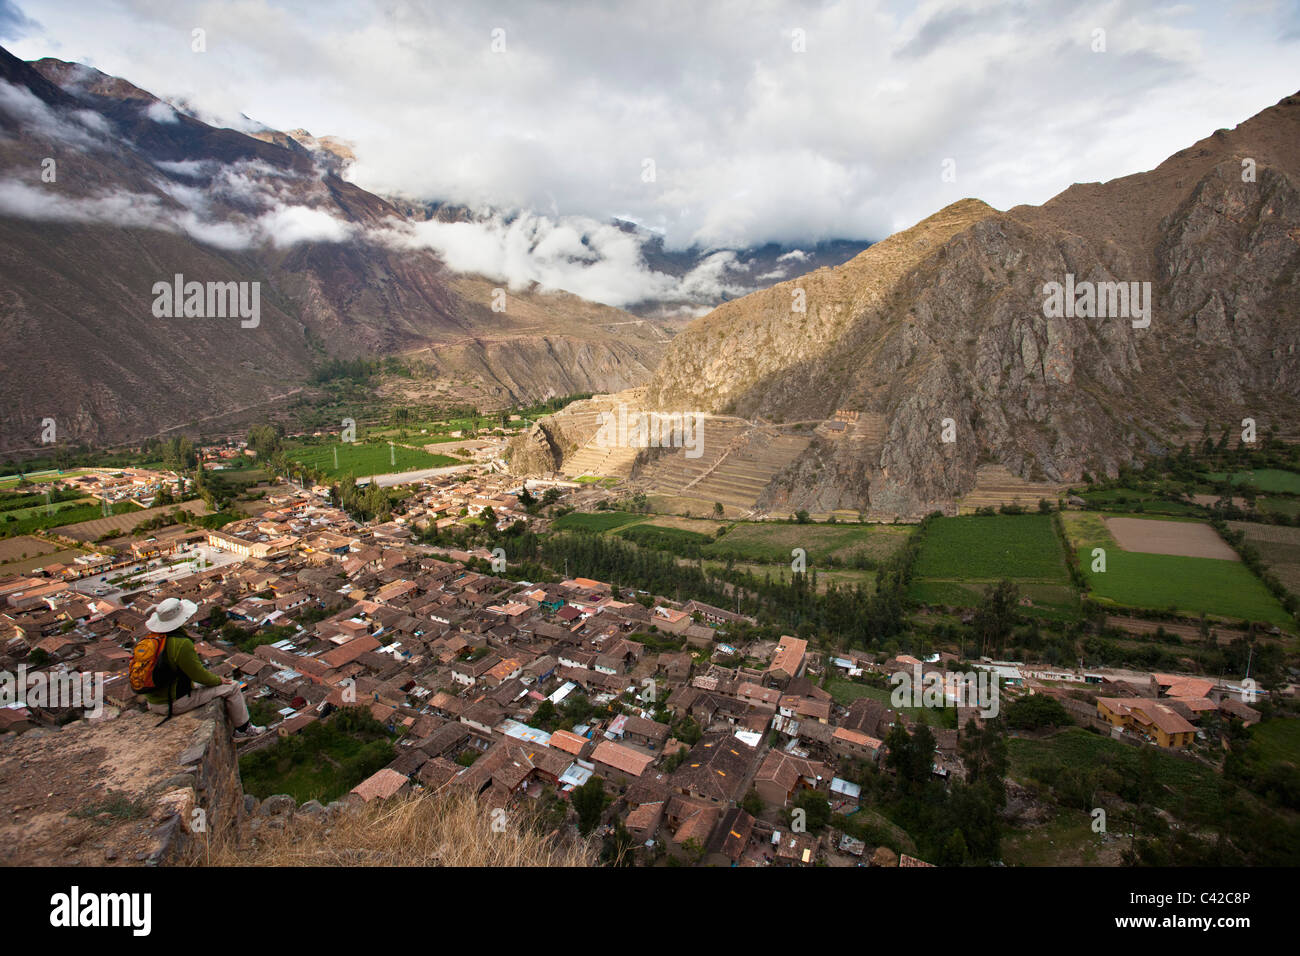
x=763, y=121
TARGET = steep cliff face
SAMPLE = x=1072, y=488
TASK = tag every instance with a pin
x=943, y=327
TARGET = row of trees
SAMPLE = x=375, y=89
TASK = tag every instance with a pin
x=849, y=616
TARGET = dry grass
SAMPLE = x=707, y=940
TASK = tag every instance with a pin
x=445, y=829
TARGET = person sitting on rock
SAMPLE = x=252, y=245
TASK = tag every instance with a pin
x=176, y=681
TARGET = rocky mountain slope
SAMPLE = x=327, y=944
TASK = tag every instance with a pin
x=946, y=320
x=106, y=190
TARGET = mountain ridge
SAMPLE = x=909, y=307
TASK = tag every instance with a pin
x=138, y=198
x=947, y=326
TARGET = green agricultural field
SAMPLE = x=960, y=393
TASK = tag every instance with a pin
x=771, y=542
x=1086, y=529
x=322, y=762
x=823, y=577
x=946, y=593
x=846, y=691
x=675, y=540
x=41, y=477
x=363, y=460
x=1194, y=585
x=1277, y=505
x=250, y=475
x=1066, y=840
x=1276, y=741
x=64, y=514
x=39, y=507
x=1265, y=479
x=1188, y=788
x=978, y=547
x=595, y=520
x=961, y=556
x=705, y=526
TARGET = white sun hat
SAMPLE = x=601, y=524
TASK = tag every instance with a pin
x=170, y=614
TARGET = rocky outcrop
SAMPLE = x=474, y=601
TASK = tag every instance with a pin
x=549, y=443
x=122, y=791
x=534, y=452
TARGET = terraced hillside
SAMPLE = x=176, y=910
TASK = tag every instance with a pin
x=566, y=442
x=739, y=462
x=593, y=459
x=737, y=459
x=587, y=452
x=671, y=472
x=996, y=486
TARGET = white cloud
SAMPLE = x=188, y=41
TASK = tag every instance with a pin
x=41, y=121
x=160, y=112
x=48, y=203
x=290, y=225
x=191, y=211
x=190, y=168
x=595, y=260
x=751, y=140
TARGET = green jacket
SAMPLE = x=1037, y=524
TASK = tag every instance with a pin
x=183, y=658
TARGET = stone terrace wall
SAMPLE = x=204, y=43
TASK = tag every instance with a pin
x=120, y=791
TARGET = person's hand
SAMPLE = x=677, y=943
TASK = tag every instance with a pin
x=226, y=680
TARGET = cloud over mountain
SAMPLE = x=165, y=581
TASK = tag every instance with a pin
x=791, y=122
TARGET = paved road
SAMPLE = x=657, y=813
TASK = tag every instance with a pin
x=411, y=477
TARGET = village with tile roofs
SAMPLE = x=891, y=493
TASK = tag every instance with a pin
x=706, y=744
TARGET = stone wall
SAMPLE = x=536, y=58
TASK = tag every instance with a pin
x=119, y=791
x=209, y=782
